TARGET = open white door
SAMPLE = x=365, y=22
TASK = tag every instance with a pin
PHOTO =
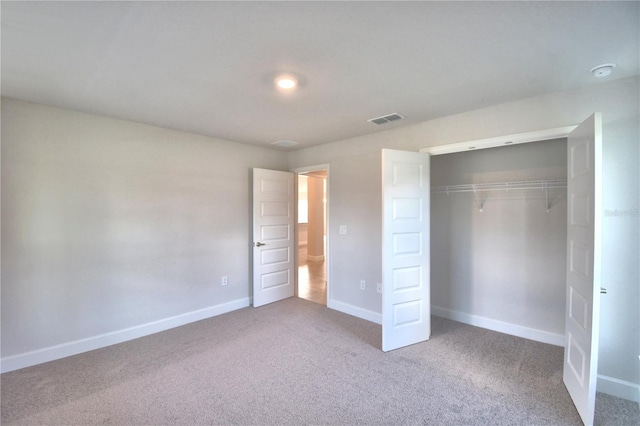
x=406, y=310
x=584, y=198
x=273, y=223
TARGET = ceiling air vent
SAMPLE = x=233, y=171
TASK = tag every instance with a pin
x=386, y=119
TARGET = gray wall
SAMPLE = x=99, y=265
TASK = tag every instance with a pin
x=108, y=224
x=355, y=201
x=507, y=262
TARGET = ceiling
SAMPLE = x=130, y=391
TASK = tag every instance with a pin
x=207, y=67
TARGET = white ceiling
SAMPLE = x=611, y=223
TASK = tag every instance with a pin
x=206, y=67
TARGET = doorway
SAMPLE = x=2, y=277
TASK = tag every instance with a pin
x=311, y=230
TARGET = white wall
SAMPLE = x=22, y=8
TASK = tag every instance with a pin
x=503, y=267
x=108, y=224
x=355, y=201
x=112, y=229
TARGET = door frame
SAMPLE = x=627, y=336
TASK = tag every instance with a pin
x=498, y=142
x=301, y=170
x=495, y=142
x=537, y=136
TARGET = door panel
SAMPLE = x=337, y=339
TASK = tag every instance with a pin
x=582, y=318
x=273, y=223
x=406, y=306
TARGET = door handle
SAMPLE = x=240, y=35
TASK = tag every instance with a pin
x=603, y=290
x=259, y=244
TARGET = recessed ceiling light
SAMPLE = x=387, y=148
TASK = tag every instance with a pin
x=602, y=70
x=286, y=82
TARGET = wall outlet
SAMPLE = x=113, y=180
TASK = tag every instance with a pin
x=379, y=288
x=363, y=285
x=343, y=230
x=223, y=280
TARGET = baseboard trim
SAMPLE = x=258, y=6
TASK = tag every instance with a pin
x=355, y=311
x=620, y=388
x=315, y=258
x=500, y=326
x=28, y=359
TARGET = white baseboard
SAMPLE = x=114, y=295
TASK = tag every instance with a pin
x=315, y=258
x=355, y=311
x=619, y=388
x=500, y=326
x=52, y=353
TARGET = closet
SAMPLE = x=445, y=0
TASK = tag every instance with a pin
x=498, y=238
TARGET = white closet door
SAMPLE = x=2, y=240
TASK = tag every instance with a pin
x=582, y=318
x=406, y=301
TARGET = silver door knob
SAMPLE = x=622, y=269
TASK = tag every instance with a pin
x=259, y=244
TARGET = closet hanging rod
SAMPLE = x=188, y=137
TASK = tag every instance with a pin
x=502, y=186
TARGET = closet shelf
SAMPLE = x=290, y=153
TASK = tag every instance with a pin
x=502, y=186
x=477, y=188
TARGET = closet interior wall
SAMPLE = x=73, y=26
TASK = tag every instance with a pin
x=502, y=264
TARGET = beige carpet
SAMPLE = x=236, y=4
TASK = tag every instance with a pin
x=297, y=362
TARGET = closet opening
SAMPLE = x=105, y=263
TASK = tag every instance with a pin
x=499, y=238
x=502, y=288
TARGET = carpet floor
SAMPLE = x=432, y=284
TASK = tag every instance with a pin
x=297, y=362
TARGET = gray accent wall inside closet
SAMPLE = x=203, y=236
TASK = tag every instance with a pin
x=505, y=263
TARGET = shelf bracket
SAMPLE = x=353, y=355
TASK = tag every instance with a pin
x=546, y=196
x=478, y=199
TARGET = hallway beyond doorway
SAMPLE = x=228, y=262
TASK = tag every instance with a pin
x=311, y=234
x=312, y=278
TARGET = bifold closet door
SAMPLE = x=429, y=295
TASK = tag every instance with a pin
x=584, y=213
